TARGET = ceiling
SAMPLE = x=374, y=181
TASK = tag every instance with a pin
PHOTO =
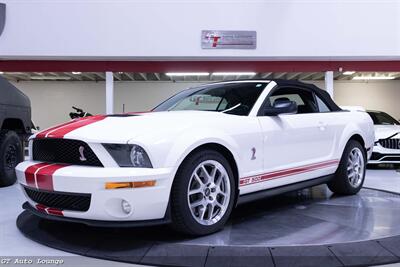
x=151, y=77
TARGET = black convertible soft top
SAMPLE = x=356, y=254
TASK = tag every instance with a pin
x=324, y=95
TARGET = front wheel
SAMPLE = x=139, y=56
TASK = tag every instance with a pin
x=203, y=193
x=11, y=153
x=350, y=175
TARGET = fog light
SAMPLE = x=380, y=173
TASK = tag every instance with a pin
x=126, y=207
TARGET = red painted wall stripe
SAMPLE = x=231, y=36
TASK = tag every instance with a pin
x=284, y=173
x=30, y=173
x=311, y=65
x=44, y=177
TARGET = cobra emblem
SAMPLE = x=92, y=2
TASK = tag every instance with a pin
x=82, y=156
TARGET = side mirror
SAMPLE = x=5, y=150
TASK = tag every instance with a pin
x=284, y=106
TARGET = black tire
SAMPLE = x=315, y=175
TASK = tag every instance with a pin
x=182, y=219
x=11, y=153
x=341, y=184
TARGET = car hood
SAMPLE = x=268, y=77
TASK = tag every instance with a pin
x=385, y=131
x=122, y=128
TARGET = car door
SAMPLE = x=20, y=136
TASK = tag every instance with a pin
x=296, y=146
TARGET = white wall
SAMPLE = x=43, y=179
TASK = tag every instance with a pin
x=170, y=29
x=52, y=101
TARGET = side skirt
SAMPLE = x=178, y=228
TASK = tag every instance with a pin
x=283, y=189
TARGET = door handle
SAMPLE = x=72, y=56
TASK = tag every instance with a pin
x=322, y=125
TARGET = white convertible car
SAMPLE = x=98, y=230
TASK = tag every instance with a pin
x=197, y=155
x=387, y=136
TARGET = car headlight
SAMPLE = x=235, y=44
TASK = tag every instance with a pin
x=129, y=155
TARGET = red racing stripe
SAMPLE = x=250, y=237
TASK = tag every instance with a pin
x=41, y=208
x=284, y=173
x=44, y=177
x=53, y=211
x=62, y=131
x=43, y=133
x=30, y=173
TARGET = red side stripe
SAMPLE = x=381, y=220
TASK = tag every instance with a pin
x=284, y=173
x=44, y=177
x=61, y=132
x=30, y=173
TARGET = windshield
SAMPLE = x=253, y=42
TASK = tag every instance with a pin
x=382, y=118
x=231, y=98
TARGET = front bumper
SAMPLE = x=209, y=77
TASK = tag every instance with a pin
x=384, y=155
x=148, y=203
x=117, y=224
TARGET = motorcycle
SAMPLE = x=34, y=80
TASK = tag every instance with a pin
x=79, y=113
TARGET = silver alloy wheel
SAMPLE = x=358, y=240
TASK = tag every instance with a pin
x=355, y=167
x=209, y=192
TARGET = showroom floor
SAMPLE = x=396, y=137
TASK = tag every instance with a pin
x=11, y=238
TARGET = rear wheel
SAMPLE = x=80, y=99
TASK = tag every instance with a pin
x=11, y=153
x=350, y=174
x=203, y=194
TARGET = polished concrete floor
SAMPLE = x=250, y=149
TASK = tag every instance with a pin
x=368, y=215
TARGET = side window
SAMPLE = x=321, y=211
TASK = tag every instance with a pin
x=304, y=99
x=321, y=105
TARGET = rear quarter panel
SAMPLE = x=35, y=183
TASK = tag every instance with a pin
x=355, y=123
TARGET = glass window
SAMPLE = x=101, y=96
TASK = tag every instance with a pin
x=322, y=107
x=230, y=98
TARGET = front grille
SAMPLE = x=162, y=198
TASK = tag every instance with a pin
x=64, y=151
x=390, y=143
x=60, y=200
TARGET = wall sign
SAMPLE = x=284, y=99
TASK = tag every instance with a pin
x=228, y=39
x=2, y=17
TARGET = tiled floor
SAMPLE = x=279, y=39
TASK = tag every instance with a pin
x=13, y=243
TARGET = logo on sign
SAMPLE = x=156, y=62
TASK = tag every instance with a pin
x=228, y=39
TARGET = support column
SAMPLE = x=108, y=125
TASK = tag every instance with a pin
x=329, y=82
x=109, y=92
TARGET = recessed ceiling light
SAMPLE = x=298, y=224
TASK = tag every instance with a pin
x=187, y=73
x=50, y=78
x=234, y=73
x=349, y=72
x=76, y=72
x=373, y=78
